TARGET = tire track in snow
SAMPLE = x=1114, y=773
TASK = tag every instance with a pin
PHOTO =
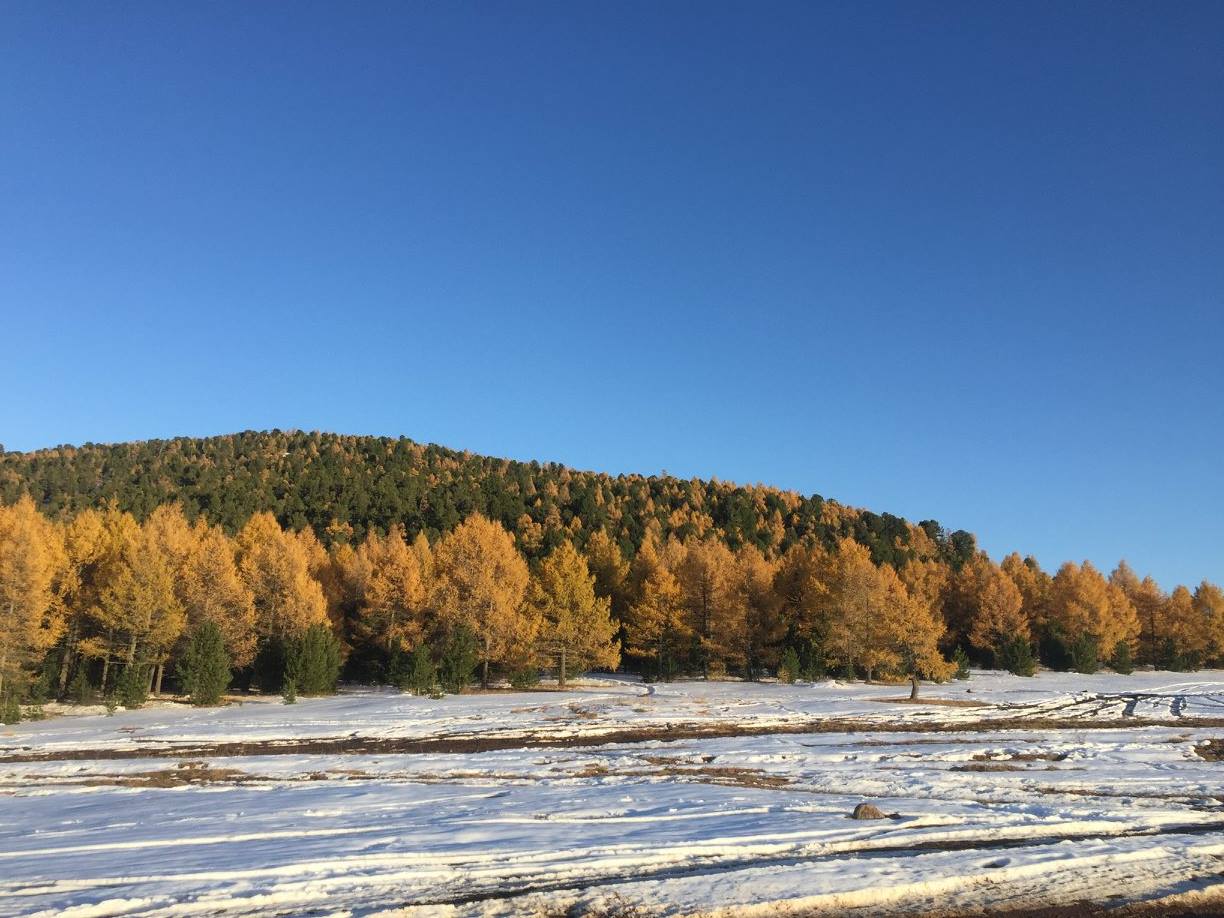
x=675, y=871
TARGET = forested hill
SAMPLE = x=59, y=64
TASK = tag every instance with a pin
x=328, y=480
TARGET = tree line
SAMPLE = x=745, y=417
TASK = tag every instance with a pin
x=97, y=603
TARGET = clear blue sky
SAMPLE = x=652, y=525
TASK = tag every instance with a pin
x=950, y=260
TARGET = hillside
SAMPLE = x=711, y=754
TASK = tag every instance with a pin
x=326, y=480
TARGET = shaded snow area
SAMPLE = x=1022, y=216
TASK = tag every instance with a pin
x=617, y=798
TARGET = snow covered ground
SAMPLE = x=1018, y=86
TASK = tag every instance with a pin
x=616, y=796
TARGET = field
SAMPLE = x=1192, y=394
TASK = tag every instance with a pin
x=618, y=798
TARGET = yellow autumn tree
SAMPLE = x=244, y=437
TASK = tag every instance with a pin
x=757, y=606
x=802, y=587
x=32, y=560
x=391, y=610
x=95, y=544
x=1209, y=603
x=343, y=581
x=576, y=627
x=998, y=608
x=213, y=590
x=139, y=616
x=480, y=580
x=1034, y=586
x=915, y=631
x=856, y=610
x=656, y=625
x=926, y=580
x=1148, y=599
x=275, y=567
x=611, y=571
x=1184, y=634
x=1083, y=605
x=705, y=575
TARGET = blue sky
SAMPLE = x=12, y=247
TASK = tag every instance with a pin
x=950, y=260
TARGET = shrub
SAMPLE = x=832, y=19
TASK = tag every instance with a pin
x=1121, y=661
x=811, y=660
x=525, y=677
x=961, y=659
x=268, y=672
x=40, y=689
x=289, y=691
x=133, y=686
x=458, y=661
x=1175, y=661
x=313, y=661
x=205, y=668
x=1085, y=654
x=788, y=668
x=79, y=689
x=397, y=669
x=34, y=712
x=421, y=674
x=10, y=711
x=1016, y=656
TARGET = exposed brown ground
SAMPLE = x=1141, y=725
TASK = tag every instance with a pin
x=357, y=745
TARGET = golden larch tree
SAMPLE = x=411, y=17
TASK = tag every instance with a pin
x=480, y=580
x=391, y=610
x=1034, y=586
x=139, y=616
x=759, y=608
x=1209, y=603
x=656, y=625
x=611, y=571
x=705, y=574
x=212, y=590
x=917, y=629
x=856, y=609
x=1148, y=599
x=998, y=608
x=32, y=561
x=1183, y=629
x=275, y=566
x=576, y=627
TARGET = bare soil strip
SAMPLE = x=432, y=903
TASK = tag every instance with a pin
x=453, y=744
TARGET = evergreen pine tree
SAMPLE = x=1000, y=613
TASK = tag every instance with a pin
x=420, y=675
x=788, y=669
x=1121, y=661
x=961, y=659
x=10, y=711
x=205, y=668
x=289, y=691
x=1085, y=654
x=459, y=659
x=1016, y=656
x=79, y=690
x=313, y=662
x=133, y=686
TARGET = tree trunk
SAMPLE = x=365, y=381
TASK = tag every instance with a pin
x=913, y=687
x=66, y=660
x=561, y=671
x=161, y=671
x=105, y=671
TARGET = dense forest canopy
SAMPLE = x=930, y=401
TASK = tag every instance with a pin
x=332, y=482
x=283, y=558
